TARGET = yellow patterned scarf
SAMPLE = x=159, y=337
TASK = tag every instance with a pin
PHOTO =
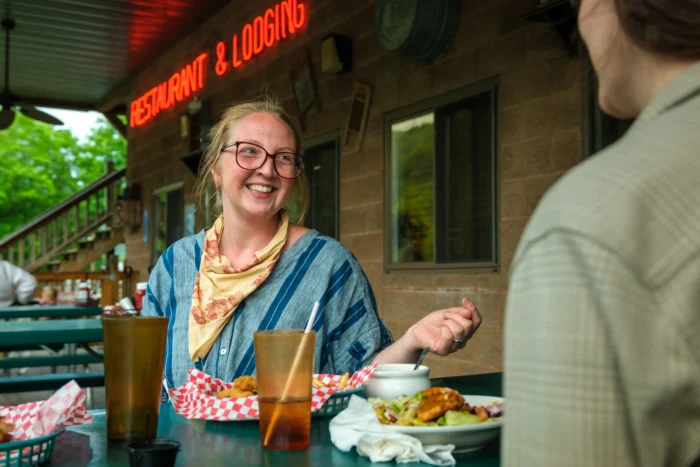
x=219, y=287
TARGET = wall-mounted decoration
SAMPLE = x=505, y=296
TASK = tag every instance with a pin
x=418, y=28
x=303, y=86
x=336, y=54
x=357, y=119
x=199, y=115
x=127, y=209
x=184, y=126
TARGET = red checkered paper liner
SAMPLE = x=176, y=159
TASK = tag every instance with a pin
x=196, y=399
x=35, y=419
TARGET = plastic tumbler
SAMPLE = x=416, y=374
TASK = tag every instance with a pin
x=284, y=361
x=134, y=356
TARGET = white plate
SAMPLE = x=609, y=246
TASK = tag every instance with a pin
x=465, y=437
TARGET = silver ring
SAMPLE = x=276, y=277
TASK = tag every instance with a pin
x=459, y=341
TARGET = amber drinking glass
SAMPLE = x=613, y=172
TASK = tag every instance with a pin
x=134, y=356
x=284, y=360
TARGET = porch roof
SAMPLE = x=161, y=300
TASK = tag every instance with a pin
x=74, y=53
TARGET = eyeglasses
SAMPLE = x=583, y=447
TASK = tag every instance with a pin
x=251, y=156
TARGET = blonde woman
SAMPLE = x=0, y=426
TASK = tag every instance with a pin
x=254, y=269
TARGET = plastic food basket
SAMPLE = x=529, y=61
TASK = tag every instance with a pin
x=335, y=404
x=29, y=452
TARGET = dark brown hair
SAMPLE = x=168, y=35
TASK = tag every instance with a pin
x=664, y=27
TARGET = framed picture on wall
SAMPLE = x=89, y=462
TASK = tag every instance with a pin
x=357, y=117
x=303, y=85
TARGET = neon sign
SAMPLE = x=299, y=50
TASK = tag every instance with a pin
x=276, y=24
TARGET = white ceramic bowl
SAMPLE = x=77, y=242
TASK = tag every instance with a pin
x=390, y=380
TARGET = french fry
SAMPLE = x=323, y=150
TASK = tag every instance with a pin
x=318, y=383
x=344, y=380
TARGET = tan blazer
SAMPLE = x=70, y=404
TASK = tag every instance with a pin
x=602, y=325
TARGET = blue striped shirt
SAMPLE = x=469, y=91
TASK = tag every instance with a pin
x=349, y=332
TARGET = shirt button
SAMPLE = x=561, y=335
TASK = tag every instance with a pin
x=223, y=351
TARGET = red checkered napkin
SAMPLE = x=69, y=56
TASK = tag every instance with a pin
x=196, y=399
x=65, y=408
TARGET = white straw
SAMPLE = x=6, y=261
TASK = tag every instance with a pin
x=312, y=318
x=287, y=386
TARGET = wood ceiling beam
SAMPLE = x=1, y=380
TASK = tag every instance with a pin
x=117, y=97
x=56, y=103
x=116, y=123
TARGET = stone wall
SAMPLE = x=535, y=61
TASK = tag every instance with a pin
x=539, y=121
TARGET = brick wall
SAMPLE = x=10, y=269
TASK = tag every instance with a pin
x=539, y=137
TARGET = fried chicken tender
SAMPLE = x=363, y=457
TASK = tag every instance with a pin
x=437, y=403
x=434, y=391
x=243, y=386
x=246, y=383
x=233, y=393
x=5, y=430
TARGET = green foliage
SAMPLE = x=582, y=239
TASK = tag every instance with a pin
x=40, y=166
x=413, y=179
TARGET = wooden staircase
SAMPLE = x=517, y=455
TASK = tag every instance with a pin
x=72, y=234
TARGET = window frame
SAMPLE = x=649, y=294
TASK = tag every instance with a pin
x=154, y=195
x=434, y=104
x=330, y=137
x=592, y=116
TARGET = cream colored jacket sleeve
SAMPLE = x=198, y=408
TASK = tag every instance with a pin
x=601, y=369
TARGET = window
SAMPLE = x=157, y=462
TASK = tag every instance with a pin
x=321, y=157
x=168, y=218
x=600, y=129
x=441, y=181
x=321, y=162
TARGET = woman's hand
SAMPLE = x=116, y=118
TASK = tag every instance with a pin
x=439, y=330
x=445, y=331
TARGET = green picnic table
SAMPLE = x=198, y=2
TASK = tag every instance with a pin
x=225, y=443
x=71, y=331
x=48, y=311
x=17, y=335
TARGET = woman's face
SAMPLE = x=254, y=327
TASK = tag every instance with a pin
x=261, y=193
x=611, y=55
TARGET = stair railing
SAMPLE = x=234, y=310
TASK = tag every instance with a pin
x=38, y=241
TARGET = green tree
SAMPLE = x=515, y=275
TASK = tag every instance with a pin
x=103, y=143
x=414, y=154
x=40, y=166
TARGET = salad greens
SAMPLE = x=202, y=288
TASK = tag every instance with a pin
x=403, y=411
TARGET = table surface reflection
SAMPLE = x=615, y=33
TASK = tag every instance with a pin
x=207, y=443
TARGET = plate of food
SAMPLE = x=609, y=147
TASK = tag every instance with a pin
x=443, y=416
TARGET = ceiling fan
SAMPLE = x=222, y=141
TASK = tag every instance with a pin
x=9, y=101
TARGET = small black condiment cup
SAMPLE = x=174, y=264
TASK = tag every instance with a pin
x=152, y=453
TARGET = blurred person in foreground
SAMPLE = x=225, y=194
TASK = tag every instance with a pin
x=602, y=355
x=17, y=286
x=256, y=269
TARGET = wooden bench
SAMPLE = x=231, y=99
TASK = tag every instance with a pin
x=50, y=382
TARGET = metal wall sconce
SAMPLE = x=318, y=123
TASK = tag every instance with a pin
x=561, y=16
x=336, y=54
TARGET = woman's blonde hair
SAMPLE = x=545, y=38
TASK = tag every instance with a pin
x=204, y=188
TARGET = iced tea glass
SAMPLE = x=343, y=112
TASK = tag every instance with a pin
x=134, y=358
x=284, y=361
